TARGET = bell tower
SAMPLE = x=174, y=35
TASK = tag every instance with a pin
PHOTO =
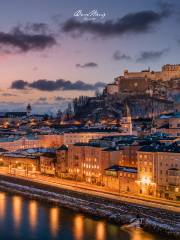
x=28, y=110
x=126, y=121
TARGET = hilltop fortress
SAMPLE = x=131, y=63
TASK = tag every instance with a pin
x=147, y=94
x=145, y=81
x=168, y=72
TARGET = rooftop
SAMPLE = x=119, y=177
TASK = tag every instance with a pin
x=170, y=115
x=117, y=168
x=92, y=130
x=49, y=155
x=63, y=147
x=174, y=148
x=18, y=155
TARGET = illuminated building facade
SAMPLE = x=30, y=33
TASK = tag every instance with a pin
x=88, y=162
x=48, y=163
x=159, y=171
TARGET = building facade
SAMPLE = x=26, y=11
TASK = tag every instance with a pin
x=88, y=162
x=159, y=172
x=71, y=138
x=48, y=164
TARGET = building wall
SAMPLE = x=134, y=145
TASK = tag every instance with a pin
x=112, y=89
x=174, y=123
x=168, y=71
x=147, y=173
x=166, y=183
x=154, y=177
x=171, y=131
x=22, y=143
x=20, y=164
x=72, y=138
x=123, y=182
x=51, y=140
x=129, y=156
x=90, y=162
x=62, y=162
x=47, y=165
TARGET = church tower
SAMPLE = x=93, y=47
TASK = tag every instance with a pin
x=28, y=110
x=126, y=121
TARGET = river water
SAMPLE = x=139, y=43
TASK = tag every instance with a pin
x=25, y=219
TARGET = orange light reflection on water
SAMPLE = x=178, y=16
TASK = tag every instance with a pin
x=2, y=205
x=78, y=227
x=54, y=221
x=100, y=231
x=33, y=214
x=17, y=210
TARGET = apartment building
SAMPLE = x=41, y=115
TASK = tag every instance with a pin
x=20, y=164
x=159, y=171
x=88, y=162
x=16, y=143
x=62, y=161
x=121, y=179
x=85, y=135
x=48, y=163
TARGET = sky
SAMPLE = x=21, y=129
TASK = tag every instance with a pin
x=52, y=51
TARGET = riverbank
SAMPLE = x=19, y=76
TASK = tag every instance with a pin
x=153, y=219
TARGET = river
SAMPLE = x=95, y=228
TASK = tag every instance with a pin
x=24, y=219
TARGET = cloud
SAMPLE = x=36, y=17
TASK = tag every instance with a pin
x=60, y=84
x=19, y=84
x=138, y=22
x=57, y=99
x=87, y=65
x=8, y=95
x=151, y=55
x=42, y=99
x=24, y=40
x=99, y=85
x=120, y=56
x=42, y=28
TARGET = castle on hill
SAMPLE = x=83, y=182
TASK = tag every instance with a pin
x=142, y=81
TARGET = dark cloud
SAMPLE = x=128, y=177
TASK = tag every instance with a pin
x=8, y=95
x=42, y=28
x=58, y=99
x=87, y=65
x=24, y=40
x=138, y=22
x=120, y=56
x=19, y=84
x=42, y=99
x=151, y=55
x=60, y=84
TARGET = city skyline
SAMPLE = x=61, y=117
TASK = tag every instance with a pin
x=47, y=42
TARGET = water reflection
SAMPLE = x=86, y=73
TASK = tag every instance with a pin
x=17, y=210
x=24, y=219
x=2, y=205
x=138, y=234
x=78, y=227
x=100, y=231
x=54, y=221
x=33, y=214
